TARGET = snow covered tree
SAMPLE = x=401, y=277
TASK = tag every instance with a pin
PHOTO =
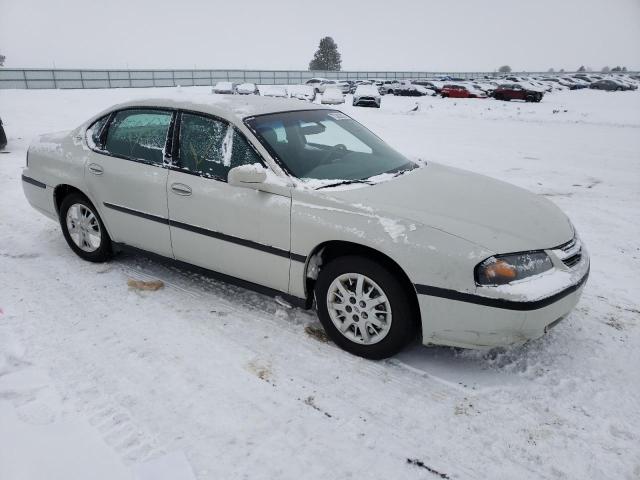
x=624, y=69
x=605, y=70
x=504, y=69
x=582, y=69
x=551, y=70
x=617, y=69
x=2, y=59
x=327, y=56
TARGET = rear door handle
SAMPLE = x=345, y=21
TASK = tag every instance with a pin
x=181, y=189
x=95, y=169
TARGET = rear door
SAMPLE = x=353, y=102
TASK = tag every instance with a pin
x=241, y=232
x=127, y=178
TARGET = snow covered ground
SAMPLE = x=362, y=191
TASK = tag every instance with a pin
x=205, y=380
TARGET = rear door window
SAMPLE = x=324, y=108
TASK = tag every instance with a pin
x=139, y=134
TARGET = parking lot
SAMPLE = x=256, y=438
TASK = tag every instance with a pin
x=205, y=377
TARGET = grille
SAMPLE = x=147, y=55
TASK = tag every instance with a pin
x=570, y=253
x=571, y=261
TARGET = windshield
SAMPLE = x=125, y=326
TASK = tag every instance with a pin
x=326, y=145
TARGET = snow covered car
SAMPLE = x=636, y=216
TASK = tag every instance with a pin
x=517, y=91
x=247, y=89
x=302, y=92
x=303, y=202
x=609, y=85
x=430, y=84
x=461, y=91
x=575, y=83
x=321, y=85
x=274, y=91
x=345, y=86
x=390, y=86
x=367, y=94
x=408, y=89
x=332, y=96
x=226, y=88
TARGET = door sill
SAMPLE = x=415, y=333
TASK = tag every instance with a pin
x=270, y=292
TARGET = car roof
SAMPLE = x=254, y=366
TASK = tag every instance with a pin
x=229, y=107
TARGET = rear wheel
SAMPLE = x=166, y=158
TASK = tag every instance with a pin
x=83, y=229
x=364, y=308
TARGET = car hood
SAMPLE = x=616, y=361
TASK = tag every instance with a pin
x=496, y=215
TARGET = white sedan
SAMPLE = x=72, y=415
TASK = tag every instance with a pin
x=304, y=202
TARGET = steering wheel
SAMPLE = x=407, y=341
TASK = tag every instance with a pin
x=339, y=148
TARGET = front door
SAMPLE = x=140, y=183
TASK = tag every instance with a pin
x=241, y=232
x=127, y=179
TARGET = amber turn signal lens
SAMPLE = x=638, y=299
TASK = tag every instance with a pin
x=501, y=270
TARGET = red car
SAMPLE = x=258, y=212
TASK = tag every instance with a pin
x=517, y=91
x=460, y=91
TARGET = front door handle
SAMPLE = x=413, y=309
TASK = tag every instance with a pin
x=95, y=169
x=181, y=189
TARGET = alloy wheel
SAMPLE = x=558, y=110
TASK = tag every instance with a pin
x=359, y=308
x=83, y=227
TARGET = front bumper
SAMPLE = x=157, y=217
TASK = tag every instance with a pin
x=505, y=315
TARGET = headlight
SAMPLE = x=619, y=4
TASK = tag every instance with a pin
x=503, y=269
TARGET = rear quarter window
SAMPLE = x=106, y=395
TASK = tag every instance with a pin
x=94, y=132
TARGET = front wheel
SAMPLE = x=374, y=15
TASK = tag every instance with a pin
x=83, y=229
x=364, y=308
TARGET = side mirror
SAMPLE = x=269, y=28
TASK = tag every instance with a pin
x=250, y=176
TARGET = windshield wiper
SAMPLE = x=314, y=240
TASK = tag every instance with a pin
x=400, y=172
x=397, y=173
x=345, y=182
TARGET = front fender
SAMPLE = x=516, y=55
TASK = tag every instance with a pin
x=427, y=255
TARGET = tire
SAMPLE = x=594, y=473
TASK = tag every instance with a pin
x=90, y=241
x=384, y=340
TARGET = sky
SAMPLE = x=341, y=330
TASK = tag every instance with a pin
x=410, y=35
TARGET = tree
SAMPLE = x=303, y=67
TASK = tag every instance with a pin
x=605, y=70
x=562, y=70
x=2, y=59
x=327, y=56
x=551, y=70
x=504, y=69
x=582, y=69
x=624, y=69
x=617, y=69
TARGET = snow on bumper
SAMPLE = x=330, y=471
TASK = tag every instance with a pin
x=505, y=315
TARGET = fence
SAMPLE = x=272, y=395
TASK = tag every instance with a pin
x=58, y=78
x=37, y=78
